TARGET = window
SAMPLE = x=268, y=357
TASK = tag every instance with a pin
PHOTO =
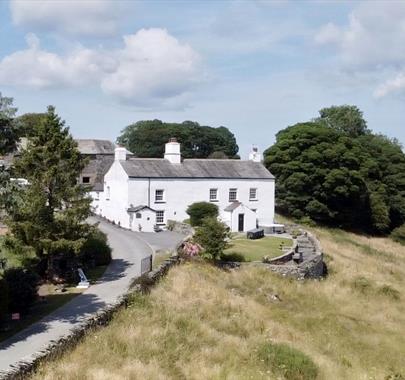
x=160, y=217
x=213, y=195
x=85, y=179
x=253, y=194
x=233, y=195
x=159, y=196
x=138, y=215
x=108, y=193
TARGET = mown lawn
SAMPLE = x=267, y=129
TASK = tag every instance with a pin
x=254, y=250
x=201, y=322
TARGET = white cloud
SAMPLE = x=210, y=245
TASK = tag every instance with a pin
x=39, y=68
x=77, y=17
x=153, y=68
x=152, y=64
x=395, y=85
x=374, y=36
x=373, y=41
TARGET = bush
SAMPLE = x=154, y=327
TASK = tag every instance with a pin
x=398, y=235
x=96, y=249
x=287, y=361
x=3, y=299
x=200, y=210
x=212, y=236
x=22, y=289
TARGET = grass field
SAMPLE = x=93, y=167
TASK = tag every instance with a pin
x=255, y=250
x=204, y=323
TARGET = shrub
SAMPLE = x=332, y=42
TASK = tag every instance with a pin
x=191, y=249
x=287, y=361
x=22, y=288
x=233, y=257
x=170, y=225
x=3, y=299
x=200, y=210
x=398, y=234
x=212, y=236
x=96, y=249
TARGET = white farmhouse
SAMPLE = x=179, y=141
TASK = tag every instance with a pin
x=140, y=193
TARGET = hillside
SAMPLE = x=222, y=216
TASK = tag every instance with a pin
x=204, y=323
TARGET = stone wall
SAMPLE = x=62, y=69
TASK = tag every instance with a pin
x=314, y=268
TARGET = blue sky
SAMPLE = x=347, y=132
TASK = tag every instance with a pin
x=253, y=66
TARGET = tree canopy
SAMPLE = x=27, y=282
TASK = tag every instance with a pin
x=8, y=135
x=49, y=212
x=147, y=138
x=339, y=172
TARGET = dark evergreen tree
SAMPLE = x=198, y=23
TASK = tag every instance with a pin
x=49, y=212
x=338, y=172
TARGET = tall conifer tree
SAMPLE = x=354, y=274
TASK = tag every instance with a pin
x=49, y=212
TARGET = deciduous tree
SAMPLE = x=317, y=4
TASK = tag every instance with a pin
x=147, y=139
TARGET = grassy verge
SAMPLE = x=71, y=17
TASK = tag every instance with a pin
x=49, y=302
x=204, y=323
x=159, y=258
x=243, y=249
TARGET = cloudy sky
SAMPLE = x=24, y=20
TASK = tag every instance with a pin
x=253, y=66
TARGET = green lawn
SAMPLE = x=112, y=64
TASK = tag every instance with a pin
x=255, y=250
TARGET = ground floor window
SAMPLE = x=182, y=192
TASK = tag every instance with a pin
x=160, y=217
x=213, y=195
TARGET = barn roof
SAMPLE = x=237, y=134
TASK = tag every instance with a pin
x=92, y=146
x=195, y=168
x=96, y=169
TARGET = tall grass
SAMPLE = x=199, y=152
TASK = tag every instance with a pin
x=204, y=323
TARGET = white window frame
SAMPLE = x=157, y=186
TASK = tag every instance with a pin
x=161, y=198
x=160, y=217
x=255, y=194
x=233, y=191
x=211, y=192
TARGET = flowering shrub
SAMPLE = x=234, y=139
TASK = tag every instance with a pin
x=191, y=249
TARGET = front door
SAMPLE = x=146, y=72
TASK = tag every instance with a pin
x=241, y=222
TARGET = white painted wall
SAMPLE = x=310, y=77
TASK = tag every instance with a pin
x=145, y=223
x=250, y=218
x=113, y=201
x=179, y=194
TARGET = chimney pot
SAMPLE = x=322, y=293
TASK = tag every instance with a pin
x=172, y=151
x=120, y=153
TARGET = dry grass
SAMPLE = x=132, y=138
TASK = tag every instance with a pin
x=203, y=323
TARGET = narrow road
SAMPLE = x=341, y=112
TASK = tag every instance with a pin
x=127, y=251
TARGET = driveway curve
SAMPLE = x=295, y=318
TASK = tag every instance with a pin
x=128, y=250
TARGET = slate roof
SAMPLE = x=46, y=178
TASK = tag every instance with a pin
x=97, y=168
x=195, y=168
x=92, y=146
x=232, y=206
x=139, y=208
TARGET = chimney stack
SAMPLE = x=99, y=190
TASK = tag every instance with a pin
x=120, y=153
x=254, y=155
x=172, y=151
